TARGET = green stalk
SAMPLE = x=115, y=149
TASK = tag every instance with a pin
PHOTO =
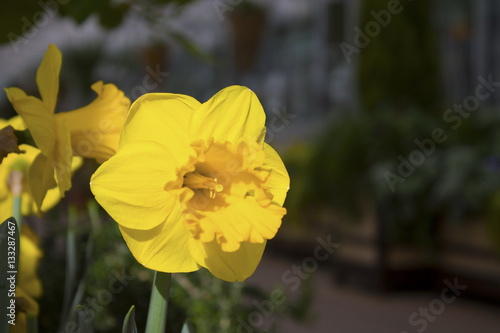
x=70, y=275
x=16, y=210
x=31, y=324
x=15, y=183
x=158, y=304
x=16, y=187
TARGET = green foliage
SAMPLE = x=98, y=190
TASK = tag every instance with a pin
x=82, y=321
x=129, y=325
x=344, y=160
x=114, y=262
x=360, y=158
x=297, y=160
x=210, y=304
x=213, y=305
x=399, y=67
x=110, y=14
x=11, y=25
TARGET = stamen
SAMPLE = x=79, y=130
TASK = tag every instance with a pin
x=194, y=180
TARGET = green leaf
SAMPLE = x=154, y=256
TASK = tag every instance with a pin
x=9, y=253
x=71, y=259
x=187, y=327
x=31, y=324
x=89, y=250
x=81, y=10
x=129, y=325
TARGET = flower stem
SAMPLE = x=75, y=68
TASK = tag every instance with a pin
x=31, y=324
x=158, y=304
x=70, y=274
x=15, y=182
x=16, y=210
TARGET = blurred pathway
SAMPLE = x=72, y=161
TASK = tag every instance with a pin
x=341, y=310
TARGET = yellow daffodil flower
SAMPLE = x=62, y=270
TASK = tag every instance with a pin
x=29, y=286
x=29, y=259
x=51, y=138
x=22, y=162
x=194, y=185
x=25, y=306
x=91, y=131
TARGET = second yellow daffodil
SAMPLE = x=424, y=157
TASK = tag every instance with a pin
x=51, y=138
x=59, y=136
x=23, y=162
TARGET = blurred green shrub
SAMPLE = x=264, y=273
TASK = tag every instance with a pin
x=376, y=158
x=399, y=66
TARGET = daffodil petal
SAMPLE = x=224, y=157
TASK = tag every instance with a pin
x=29, y=258
x=17, y=122
x=37, y=117
x=130, y=185
x=162, y=248
x=96, y=127
x=28, y=304
x=161, y=118
x=14, y=94
x=31, y=306
x=63, y=159
x=234, y=113
x=22, y=162
x=53, y=195
x=41, y=179
x=279, y=181
x=47, y=77
x=228, y=266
